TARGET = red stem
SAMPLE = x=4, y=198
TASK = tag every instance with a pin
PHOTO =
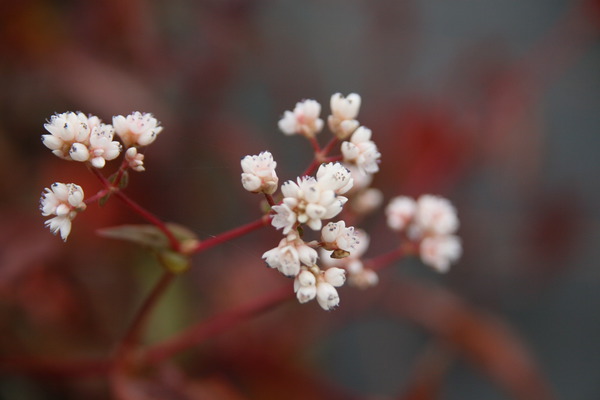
x=231, y=234
x=174, y=243
x=385, y=259
x=218, y=324
x=132, y=336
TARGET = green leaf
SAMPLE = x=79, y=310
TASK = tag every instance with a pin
x=124, y=180
x=146, y=235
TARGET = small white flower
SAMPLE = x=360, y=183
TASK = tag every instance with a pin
x=289, y=255
x=436, y=215
x=367, y=201
x=327, y=295
x=400, y=212
x=362, y=151
x=336, y=177
x=305, y=286
x=137, y=129
x=335, y=276
x=358, y=276
x=102, y=147
x=69, y=129
x=134, y=159
x=303, y=120
x=335, y=236
x=64, y=201
x=440, y=251
x=309, y=203
x=283, y=217
x=344, y=110
x=259, y=173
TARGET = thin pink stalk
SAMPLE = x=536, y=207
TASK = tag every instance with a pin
x=231, y=234
x=385, y=259
x=97, y=196
x=270, y=199
x=218, y=324
x=132, y=336
x=174, y=243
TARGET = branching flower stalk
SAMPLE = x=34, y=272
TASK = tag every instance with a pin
x=319, y=254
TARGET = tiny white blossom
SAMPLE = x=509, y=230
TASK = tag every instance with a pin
x=308, y=202
x=440, y=251
x=362, y=151
x=259, y=173
x=344, y=110
x=327, y=296
x=134, y=159
x=400, y=212
x=361, y=180
x=283, y=217
x=358, y=275
x=367, y=201
x=305, y=286
x=336, y=177
x=102, y=147
x=67, y=130
x=436, y=215
x=335, y=236
x=137, y=129
x=289, y=255
x=335, y=276
x=303, y=120
x=63, y=201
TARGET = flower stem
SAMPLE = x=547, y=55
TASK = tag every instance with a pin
x=132, y=336
x=174, y=243
x=385, y=259
x=231, y=234
x=216, y=325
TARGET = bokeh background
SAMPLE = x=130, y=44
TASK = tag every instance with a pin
x=493, y=104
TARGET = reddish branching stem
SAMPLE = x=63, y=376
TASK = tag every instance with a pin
x=147, y=215
x=218, y=324
x=231, y=234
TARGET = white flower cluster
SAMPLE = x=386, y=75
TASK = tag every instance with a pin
x=430, y=221
x=85, y=138
x=310, y=200
x=63, y=201
x=360, y=150
x=358, y=275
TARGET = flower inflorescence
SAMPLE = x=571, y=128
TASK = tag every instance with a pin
x=308, y=201
x=75, y=136
x=318, y=262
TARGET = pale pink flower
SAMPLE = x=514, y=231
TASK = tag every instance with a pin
x=362, y=151
x=137, y=129
x=344, y=110
x=400, y=212
x=336, y=236
x=134, y=159
x=334, y=176
x=64, y=201
x=303, y=120
x=259, y=173
x=290, y=254
x=440, y=251
x=436, y=215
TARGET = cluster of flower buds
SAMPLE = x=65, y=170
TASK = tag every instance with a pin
x=431, y=222
x=311, y=200
x=75, y=136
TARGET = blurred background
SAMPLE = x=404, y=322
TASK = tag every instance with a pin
x=493, y=104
